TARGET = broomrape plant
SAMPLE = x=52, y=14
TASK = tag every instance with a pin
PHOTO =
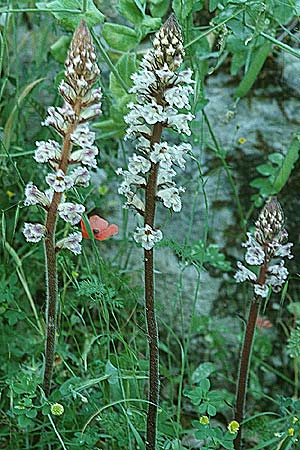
x=267, y=243
x=161, y=95
x=76, y=151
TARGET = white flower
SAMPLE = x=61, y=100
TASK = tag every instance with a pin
x=162, y=153
x=151, y=113
x=59, y=181
x=47, y=150
x=178, y=96
x=60, y=118
x=147, y=237
x=90, y=112
x=71, y=212
x=276, y=276
x=80, y=176
x=142, y=81
x=131, y=178
x=261, y=290
x=136, y=129
x=86, y=156
x=82, y=135
x=138, y=164
x=179, y=121
x=284, y=250
x=71, y=242
x=67, y=92
x=165, y=177
x=178, y=151
x=35, y=197
x=244, y=274
x=134, y=201
x=255, y=256
x=185, y=76
x=170, y=197
x=34, y=232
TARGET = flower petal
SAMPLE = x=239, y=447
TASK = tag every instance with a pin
x=109, y=231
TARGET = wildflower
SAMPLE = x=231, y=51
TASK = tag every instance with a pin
x=47, y=150
x=71, y=212
x=295, y=419
x=35, y=197
x=71, y=242
x=34, y=232
x=291, y=431
x=233, y=427
x=242, y=140
x=267, y=243
x=147, y=237
x=100, y=228
x=204, y=420
x=59, y=181
x=10, y=194
x=57, y=409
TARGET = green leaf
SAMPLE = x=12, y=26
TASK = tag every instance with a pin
x=60, y=48
x=132, y=10
x=213, y=4
x=204, y=384
x=254, y=69
x=266, y=169
x=158, y=8
x=112, y=371
x=211, y=410
x=276, y=158
x=120, y=37
x=287, y=165
x=125, y=66
x=92, y=15
x=204, y=370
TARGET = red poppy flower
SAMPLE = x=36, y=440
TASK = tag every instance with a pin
x=99, y=227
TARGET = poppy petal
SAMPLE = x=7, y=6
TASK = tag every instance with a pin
x=111, y=230
x=97, y=223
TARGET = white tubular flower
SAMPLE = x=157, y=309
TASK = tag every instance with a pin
x=162, y=153
x=178, y=96
x=165, y=178
x=170, y=197
x=147, y=237
x=86, y=156
x=90, y=112
x=255, y=255
x=60, y=118
x=71, y=212
x=244, y=274
x=179, y=121
x=80, y=176
x=138, y=164
x=261, y=290
x=47, y=150
x=59, y=182
x=34, y=232
x=71, y=242
x=82, y=136
x=35, y=197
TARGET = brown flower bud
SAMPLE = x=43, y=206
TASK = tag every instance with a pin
x=81, y=67
x=270, y=223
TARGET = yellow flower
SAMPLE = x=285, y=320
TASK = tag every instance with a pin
x=57, y=409
x=233, y=427
x=291, y=431
x=295, y=419
x=204, y=420
x=242, y=140
x=10, y=194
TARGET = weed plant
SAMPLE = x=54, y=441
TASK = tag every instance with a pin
x=98, y=395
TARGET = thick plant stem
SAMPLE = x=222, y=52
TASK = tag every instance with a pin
x=244, y=369
x=246, y=355
x=152, y=329
x=51, y=269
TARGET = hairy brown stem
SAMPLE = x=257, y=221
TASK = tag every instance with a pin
x=246, y=357
x=152, y=329
x=50, y=257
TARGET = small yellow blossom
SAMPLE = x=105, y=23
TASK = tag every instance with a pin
x=242, y=140
x=233, y=427
x=10, y=194
x=295, y=419
x=291, y=431
x=204, y=420
x=57, y=409
x=75, y=274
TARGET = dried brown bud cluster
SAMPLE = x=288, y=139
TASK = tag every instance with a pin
x=168, y=46
x=81, y=68
x=270, y=223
